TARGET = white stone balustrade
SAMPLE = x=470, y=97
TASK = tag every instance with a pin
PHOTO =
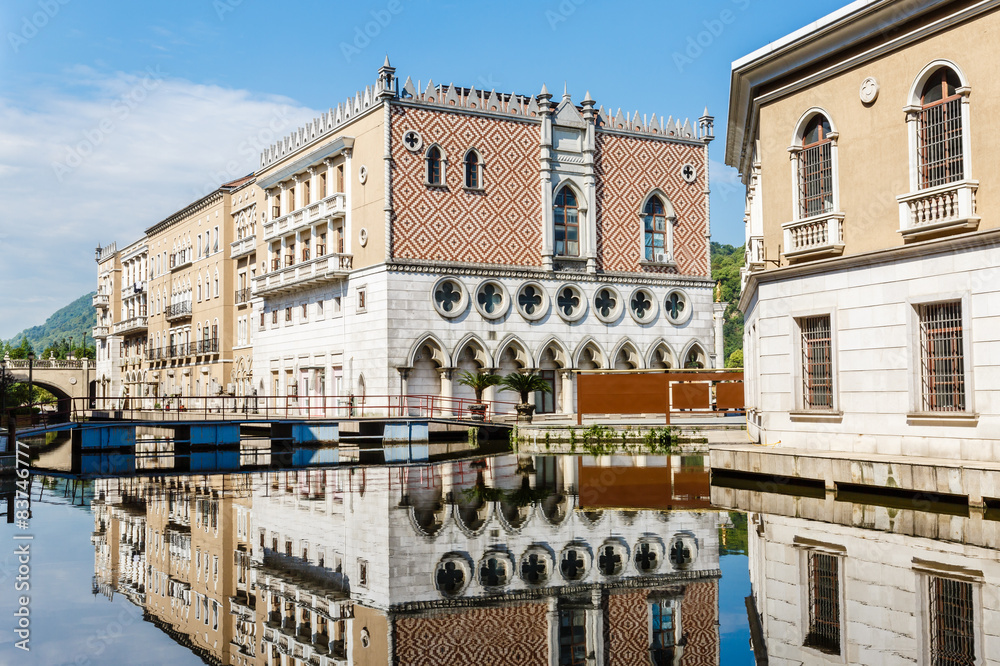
x=314, y=271
x=945, y=208
x=332, y=206
x=814, y=236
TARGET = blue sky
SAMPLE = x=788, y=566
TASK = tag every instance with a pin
x=115, y=114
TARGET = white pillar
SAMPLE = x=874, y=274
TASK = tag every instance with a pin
x=566, y=392
x=446, y=391
x=718, y=319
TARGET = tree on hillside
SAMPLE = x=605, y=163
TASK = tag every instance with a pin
x=726, y=264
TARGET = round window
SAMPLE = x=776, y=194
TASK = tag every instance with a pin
x=451, y=575
x=449, y=297
x=642, y=306
x=492, y=300
x=607, y=304
x=611, y=558
x=677, y=307
x=570, y=302
x=535, y=566
x=494, y=569
x=574, y=563
x=683, y=550
x=532, y=301
x=648, y=555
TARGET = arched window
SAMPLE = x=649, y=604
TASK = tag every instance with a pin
x=816, y=168
x=940, y=130
x=435, y=171
x=473, y=171
x=566, y=217
x=655, y=225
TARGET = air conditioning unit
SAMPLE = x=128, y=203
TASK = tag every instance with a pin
x=661, y=257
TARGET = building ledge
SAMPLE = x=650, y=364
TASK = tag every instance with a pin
x=816, y=416
x=959, y=419
x=948, y=208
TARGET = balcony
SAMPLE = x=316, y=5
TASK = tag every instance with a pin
x=242, y=247
x=208, y=346
x=316, y=271
x=131, y=325
x=754, y=253
x=100, y=332
x=180, y=260
x=134, y=288
x=814, y=237
x=243, y=295
x=176, y=311
x=334, y=205
x=101, y=300
x=949, y=208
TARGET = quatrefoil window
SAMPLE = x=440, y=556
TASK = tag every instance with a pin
x=447, y=296
x=490, y=298
x=412, y=140
x=494, y=571
x=530, y=300
x=568, y=301
x=676, y=307
x=450, y=577
x=606, y=302
x=534, y=568
x=574, y=564
x=642, y=304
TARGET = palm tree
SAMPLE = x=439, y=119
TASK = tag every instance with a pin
x=524, y=383
x=478, y=382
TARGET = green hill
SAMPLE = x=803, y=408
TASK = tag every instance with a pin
x=75, y=321
x=726, y=263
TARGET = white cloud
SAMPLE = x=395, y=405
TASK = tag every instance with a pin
x=104, y=157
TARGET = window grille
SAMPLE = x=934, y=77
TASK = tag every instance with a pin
x=941, y=142
x=941, y=355
x=816, y=179
x=952, y=630
x=817, y=363
x=824, y=603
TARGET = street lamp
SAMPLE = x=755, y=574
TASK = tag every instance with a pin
x=31, y=381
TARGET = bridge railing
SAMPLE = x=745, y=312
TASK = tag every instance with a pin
x=52, y=364
x=249, y=408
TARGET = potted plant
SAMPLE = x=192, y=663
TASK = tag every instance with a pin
x=478, y=382
x=524, y=383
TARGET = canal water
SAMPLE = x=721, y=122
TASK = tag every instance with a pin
x=503, y=559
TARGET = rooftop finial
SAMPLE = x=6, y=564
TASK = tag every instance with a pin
x=565, y=91
x=386, y=63
x=545, y=89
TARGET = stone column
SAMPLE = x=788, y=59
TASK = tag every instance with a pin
x=552, y=621
x=566, y=392
x=718, y=312
x=446, y=391
x=404, y=389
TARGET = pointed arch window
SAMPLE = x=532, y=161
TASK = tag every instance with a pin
x=435, y=166
x=654, y=220
x=473, y=171
x=566, y=218
x=940, y=130
x=816, y=168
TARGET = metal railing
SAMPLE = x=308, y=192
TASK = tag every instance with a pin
x=178, y=310
x=243, y=295
x=254, y=408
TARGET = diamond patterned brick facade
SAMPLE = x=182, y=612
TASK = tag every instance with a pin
x=627, y=169
x=628, y=636
x=500, y=225
x=509, y=635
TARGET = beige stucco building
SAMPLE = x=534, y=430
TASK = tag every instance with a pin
x=869, y=293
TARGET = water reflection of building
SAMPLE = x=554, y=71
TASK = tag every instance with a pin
x=489, y=561
x=841, y=582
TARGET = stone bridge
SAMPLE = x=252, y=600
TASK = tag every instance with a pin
x=64, y=379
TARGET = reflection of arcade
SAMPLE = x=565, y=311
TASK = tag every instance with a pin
x=482, y=561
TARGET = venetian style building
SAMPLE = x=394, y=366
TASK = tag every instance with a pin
x=419, y=230
x=869, y=293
